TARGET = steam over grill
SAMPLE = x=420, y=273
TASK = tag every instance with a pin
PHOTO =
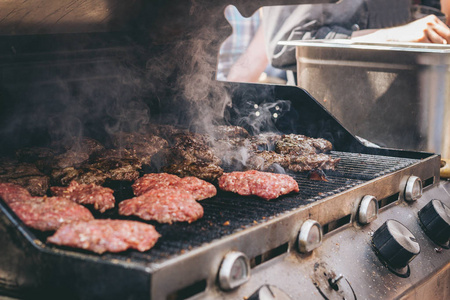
x=156, y=64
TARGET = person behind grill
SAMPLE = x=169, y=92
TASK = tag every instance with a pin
x=242, y=48
x=359, y=20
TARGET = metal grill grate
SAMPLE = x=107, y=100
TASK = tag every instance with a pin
x=228, y=213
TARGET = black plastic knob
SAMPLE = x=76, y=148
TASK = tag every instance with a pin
x=395, y=244
x=435, y=220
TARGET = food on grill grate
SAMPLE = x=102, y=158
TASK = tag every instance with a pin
x=262, y=184
x=310, y=162
x=297, y=144
x=163, y=205
x=25, y=175
x=106, y=235
x=205, y=171
x=228, y=131
x=101, y=198
x=144, y=146
x=104, y=167
x=49, y=213
x=190, y=155
x=199, y=189
x=152, y=181
x=10, y=192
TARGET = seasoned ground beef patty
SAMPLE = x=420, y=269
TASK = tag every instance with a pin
x=163, y=205
x=262, y=184
x=101, y=198
x=200, y=189
x=106, y=235
x=49, y=213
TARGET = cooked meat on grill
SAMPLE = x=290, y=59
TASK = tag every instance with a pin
x=85, y=145
x=107, y=166
x=262, y=184
x=33, y=154
x=296, y=144
x=164, y=131
x=190, y=156
x=228, y=131
x=25, y=175
x=10, y=192
x=268, y=161
x=107, y=235
x=205, y=171
x=101, y=198
x=84, y=175
x=145, y=146
x=119, y=169
x=199, y=189
x=310, y=162
x=163, y=205
x=49, y=213
x=264, y=141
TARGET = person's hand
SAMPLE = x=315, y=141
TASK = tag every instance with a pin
x=425, y=30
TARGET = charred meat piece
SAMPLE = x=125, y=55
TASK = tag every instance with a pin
x=84, y=175
x=49, y=213
x=296, y=144
x=107, y=166
x=267, y=161
x=144, y=146
x=310, y=162
x=34, y=154
x=199, y=189
x=262, y=184
x=164, y=206
x=264, y=141
x=164, y=131
x=191, y=156
x=229, y=131
x=270, y=161
x=102, y=236
x=84, y=145
x=10, y=192
x=119, y=169
x=101, y=198
x=25, y=175
x=204, y=171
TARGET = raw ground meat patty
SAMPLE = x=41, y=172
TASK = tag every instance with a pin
x=106, y=235
x=164, y=206
x=49, y=213
x=262, y=184
x=101, y=198
x=10, y=192
x=200, y=189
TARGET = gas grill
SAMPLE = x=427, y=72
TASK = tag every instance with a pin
x=128, y=67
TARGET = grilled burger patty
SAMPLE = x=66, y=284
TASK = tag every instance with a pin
x=106, y=235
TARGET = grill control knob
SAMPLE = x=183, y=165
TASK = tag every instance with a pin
x=234, y=270
x=310, y=236
x=368, y=209
x=395, y=244
x=413, y=188
x=269, y=292
x=435, y=220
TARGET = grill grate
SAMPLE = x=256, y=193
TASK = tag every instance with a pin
x=228, y=213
